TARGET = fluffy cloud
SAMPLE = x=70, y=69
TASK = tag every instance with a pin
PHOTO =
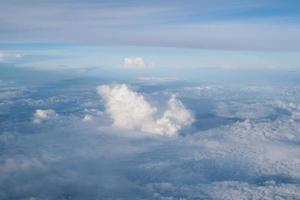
x=137, y=62
x=174, y=118
x=43, y=115
x=129, y=110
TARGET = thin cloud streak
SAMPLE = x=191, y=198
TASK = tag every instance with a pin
x=194, y=24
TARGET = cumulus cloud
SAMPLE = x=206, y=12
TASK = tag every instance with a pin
x=44, y=115
x=134, y=62
x=174, y=118
x=129, y=110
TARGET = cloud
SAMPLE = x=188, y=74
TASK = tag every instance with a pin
x=136, y=62
x=296, y=115
x=153, y=23
x=129, y=110
x=174, y=118
x=244, y=111
x=1, y=56
x=87, y=118
x=43, y=115
x=5, y=56
x=152, y=80
x=292, y=107
x=253, y=159
x=18, y=164
x=10, y=90
x=229, y=190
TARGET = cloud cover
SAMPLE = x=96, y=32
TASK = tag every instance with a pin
x=129, y=110
x=68, y=158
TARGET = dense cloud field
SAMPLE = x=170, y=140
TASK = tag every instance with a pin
x=90, y=138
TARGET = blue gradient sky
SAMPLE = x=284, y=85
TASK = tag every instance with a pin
x=166, y=34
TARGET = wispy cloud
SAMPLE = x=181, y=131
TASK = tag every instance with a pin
x=9, y=56
x=134, y=63
x=198, y=24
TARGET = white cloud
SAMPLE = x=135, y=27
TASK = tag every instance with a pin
x=43, y=115
x=136, y=62
x=174, y=118
x=254, y=159
x=129, y=110
x=88, y=118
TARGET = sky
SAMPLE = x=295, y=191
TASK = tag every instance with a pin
x=162, y=34
x=160, y=99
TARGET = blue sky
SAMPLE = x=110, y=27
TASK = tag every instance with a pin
x=165, y=34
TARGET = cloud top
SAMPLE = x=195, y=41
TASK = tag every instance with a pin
x=43, y=115
x=129, y=110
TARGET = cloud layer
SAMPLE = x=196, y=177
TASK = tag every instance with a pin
x=203, y=24
x=129, y=110
x=253, y=156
